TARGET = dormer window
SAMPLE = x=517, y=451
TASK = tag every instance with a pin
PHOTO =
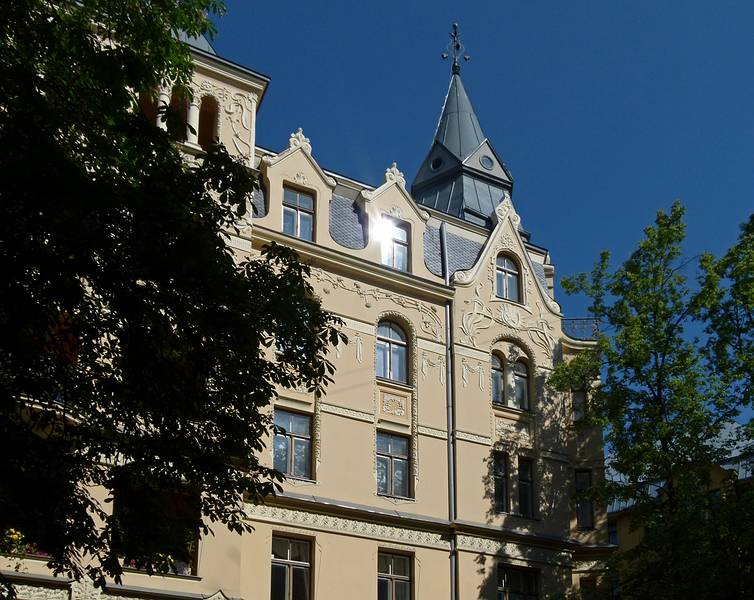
x=395, y=244
x=507, y=279
x=298, y=214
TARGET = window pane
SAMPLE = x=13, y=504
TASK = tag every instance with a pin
x=396, y=333
x=398, y=363
x=382, y=359
x=300, y=584
x=496, y=364
x=299, y=550
x=300, y=424
x=383, y=589
x=383, y=466
x=583, y=479
x=290, y=196
x=400, y=477
x=280, y=548
x=402, y=590
x=399, y=445
x=383, y=443
x=383, y=563
x=383, y=329
x=500, y=464
x=289, y=221
x=524, y=499
x=500, y=284
x=400, y=257
x=520, y=369
x=497, y=387
x=401, y=566
x=524, y=469
x=280, y=461
x=279, y=587
x=305, y=201
x=302, y=458
x=387, y=253
x=283, y=419
x=306, y=222
x=400, y=232
x=501, y=494
x=512, y=291
x=521, y=393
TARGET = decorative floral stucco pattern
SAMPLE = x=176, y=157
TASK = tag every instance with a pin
x=501, y=548
x=427, y=363
x=429, y=321
x=339, y=524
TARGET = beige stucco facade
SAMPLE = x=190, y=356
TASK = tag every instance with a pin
x=459, y=537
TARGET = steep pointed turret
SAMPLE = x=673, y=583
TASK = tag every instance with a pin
x=461, y=175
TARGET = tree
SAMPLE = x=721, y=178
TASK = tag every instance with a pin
x=135, y=349
x=663, y=404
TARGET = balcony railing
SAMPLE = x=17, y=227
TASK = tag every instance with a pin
x=581, y=329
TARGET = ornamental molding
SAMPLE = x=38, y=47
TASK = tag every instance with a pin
x=589, y=565
x=298, y=142
x=514, y=551
x=512, y=432
x=365, y=529
x=467, y=368
x=393, y=405
x=432, y=432
x=473, y=437
x=393, y=178
x=350, y=413
x=430, y=323
x=35, y=592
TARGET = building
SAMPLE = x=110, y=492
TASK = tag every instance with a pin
x=438, y=465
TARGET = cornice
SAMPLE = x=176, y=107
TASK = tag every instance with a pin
x=335, y=261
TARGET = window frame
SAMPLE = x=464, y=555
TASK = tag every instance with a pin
x=504, y=592
x=526, y=383
x=500, y=481
x=297, y=209
x=501, y=273
x=392, y=457
x=290, y=564
x=498, y=373
x=391, y=242
x=390, y=343
x=292, y=437
x=585, y=505
x=526, y=484
x=392, y=578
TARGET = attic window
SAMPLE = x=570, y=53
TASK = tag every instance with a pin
x=436, y=163
x=487, y=162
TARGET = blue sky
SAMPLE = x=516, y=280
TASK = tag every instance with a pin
x=604, y=112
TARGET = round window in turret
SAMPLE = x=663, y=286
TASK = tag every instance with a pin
x=487, y=162
x=436, y=163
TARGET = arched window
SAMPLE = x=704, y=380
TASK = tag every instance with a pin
x=507, y=279
x=392, y=352
x=208, y=122
x=498, y=381
x=520, y=385
x=179, y=113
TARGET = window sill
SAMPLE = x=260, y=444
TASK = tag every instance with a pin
x=523, y=412
x=404, y=387
x=299, y=480
x=401, y=499
x=170, y=575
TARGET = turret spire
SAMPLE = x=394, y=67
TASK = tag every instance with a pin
x=455, y=49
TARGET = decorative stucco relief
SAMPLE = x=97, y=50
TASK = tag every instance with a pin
x=473, y=437
x=359, y=345
x=342, y=411
x=352, y=526
x=466, y=368
x=512, y=431
x=432, y=432
x=393, y=405
x=239, y=107
x=34, y=592
x=427, y=363
x=429, y=321
x=498, y=547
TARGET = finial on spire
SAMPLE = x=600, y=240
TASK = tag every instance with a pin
x=456, y=50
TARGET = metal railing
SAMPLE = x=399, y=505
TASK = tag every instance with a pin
x=581, y=329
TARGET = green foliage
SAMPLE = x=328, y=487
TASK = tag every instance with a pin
x=133, y=344
x=663, y=403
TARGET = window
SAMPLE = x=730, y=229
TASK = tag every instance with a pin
x=393, y=472
x=516, y=584
x=393, y=577
x=391, y=352
x=395, y=244
x=291, y=569
x=520, y=386
x=578, y=399
x=612, y=533
x=298, y=214
x=584, y=506
x=293, y=447
x=526, y=487
x=151, y=522
x=510, y=383
x=208, y=115
x=507, y=279
x=500, y=480
x=498, y=381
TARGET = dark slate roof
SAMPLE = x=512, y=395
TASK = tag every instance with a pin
x=259, y=203
x=347, y=226
x=465, y=197
x=539, y=272
x=201, y=42
x=462, y=253
x=458, y=129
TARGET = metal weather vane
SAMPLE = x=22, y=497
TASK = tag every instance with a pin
x=455, y=49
